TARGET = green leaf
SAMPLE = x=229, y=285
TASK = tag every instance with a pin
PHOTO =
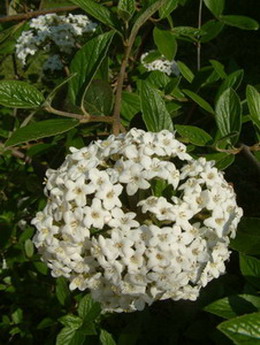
x=100, y=12
x=199, y=100
x=233, y=80
x=40, y=130
x=155, y=113
x=88, y=309
x=253, y=101
x=17, y=316
x=29, y=248
x=250, y=268
x=247, y=239
x=193, y=135
x=126, y=9
x=185, y=71
x=167, y=8
x=242, y=22
x=233, y=306
x=211, y=29
x=165, y=42
x=243, y=330
x=215, y=6
x=99, y=98
x=106, y=338
x=70, y=336
x=71, y=321
x=85, y=63
x=228, y=114
x=19, y=94
x=62, y=290
x=145, y=15
x=219, y=68
x=130, y=105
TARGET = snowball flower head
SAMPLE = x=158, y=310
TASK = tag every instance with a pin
x=52, y=31
x=161, y=64
x=135, y=219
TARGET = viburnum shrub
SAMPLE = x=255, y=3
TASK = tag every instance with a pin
x=135, y=219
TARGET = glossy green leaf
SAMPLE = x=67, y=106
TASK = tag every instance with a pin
x=106, y=338
x=211, y=29
x=241, y=22
x=126, y=9
x=40, y=130
x=62, y=290
x=247, y=239
x=98, y=99
x=215, y=6
x=155, y=113
x=70, y=336
x=29, y=248
x=71, y=321
x=19, y=94
x=233, y=80
x=228, y=115
x=100, y=12
x=88, y=309
x=199, y=100
x=243, y=330
x=185, y=71
x=145, y=15
x=167, y=8
x=234, y=305
x=193, y=135
x=250, y=268
x=253, y=101
x=130, y=105
x=165, y=42
x=85, y=64
x=219, y=68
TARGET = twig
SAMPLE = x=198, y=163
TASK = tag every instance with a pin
x=29, y=15
x=81, y=118
x=198, y=43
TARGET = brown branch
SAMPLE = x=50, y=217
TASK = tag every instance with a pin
x=29, y=15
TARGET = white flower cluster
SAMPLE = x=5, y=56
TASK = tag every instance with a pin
x=136, y=219
x=50, y=30
x=161, y=64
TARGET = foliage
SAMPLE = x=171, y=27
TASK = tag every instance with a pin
x=214, y=107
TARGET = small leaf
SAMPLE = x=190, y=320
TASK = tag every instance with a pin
x=155, y=113
x=29, y=248
x=100, y=12
x=243, y=330
x=88, y=309
x=247, y=239
x=219, y=68
x=212, y=29
x=126, y=9
x=19, y=94
x=165, y=42
x=228, y=115
x=71, y=321
x=106, y=338
x=215, y=6
x=62, y=290
x=241, y=22
x=85, y=63
x=40, y=130
x=200, y=101
x=233, y=306
x=167, y=8
x=185, y=71
x=194, y=135
x=250, y=268
x=70, y=336
x=253, y=101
